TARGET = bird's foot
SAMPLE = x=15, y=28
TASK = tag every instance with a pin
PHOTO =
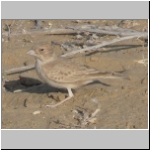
x=59, y=103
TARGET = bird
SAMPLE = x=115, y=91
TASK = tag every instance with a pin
x=62, y=72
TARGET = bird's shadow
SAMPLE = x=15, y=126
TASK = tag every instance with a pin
x=16, y=85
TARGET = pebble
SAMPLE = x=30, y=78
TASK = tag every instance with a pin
x=36, y=112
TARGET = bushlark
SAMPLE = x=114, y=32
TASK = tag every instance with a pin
x=62, y=72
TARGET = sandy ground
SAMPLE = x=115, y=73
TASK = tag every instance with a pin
x=122, y=105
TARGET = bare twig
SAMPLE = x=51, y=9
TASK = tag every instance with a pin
x=94, y=48
x=20, y=69
x=109, y=30
x=44, y=31
x=113, y=30
x=9, y=29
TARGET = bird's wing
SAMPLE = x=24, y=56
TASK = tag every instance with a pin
x=65, y=71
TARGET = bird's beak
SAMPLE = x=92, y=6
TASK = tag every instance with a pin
x=31, y=52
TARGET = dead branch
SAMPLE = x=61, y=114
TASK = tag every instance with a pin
x=94, y=48
x=9, y=29
x=44, y=31
x=20, y=69
x=112, y=30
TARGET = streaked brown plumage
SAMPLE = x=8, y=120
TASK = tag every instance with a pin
x=62, y=72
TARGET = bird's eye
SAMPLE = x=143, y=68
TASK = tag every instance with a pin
x=41, y=50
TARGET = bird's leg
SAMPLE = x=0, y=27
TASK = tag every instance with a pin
x=69, y=97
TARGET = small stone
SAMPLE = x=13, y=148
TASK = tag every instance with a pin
x=50, y=24
x=36, y=112
x=77, y=21
x=95, y=100
x=79, y=37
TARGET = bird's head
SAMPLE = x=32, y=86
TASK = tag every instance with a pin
x=42, y=51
